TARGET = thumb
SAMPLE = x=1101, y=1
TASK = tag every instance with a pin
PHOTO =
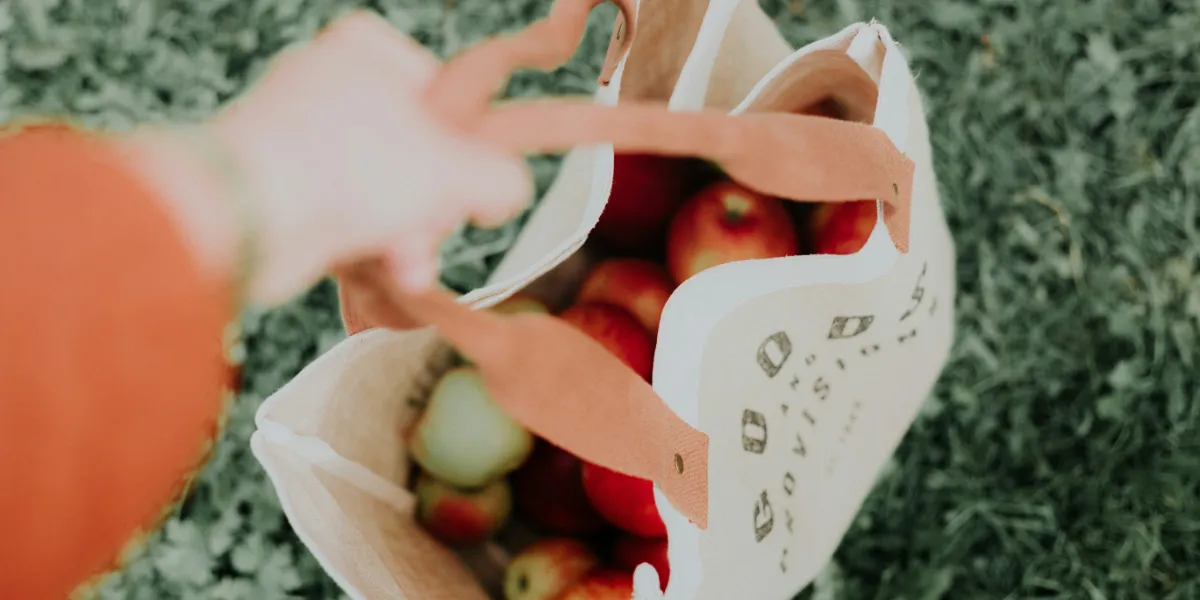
x=488, y=186
x=414, y=262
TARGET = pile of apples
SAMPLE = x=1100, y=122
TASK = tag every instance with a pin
x=667, y=219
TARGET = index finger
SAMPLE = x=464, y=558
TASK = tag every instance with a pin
x=366, y=36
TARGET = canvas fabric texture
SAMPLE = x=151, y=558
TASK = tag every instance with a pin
x=781, y=386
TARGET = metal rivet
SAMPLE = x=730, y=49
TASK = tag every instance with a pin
x=679, y=464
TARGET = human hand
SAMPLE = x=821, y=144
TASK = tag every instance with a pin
x=342, y=161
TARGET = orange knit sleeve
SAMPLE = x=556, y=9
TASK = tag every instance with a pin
x=110, y=361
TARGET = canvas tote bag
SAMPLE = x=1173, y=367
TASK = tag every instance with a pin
x=781, y=386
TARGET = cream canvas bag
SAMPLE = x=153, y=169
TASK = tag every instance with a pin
x=781, y=386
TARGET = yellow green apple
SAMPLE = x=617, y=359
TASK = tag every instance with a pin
x=520, y=302
x=464, y=437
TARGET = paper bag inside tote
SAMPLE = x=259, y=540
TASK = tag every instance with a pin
x=785, y=383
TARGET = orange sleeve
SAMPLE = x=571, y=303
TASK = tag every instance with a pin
x=110, y=361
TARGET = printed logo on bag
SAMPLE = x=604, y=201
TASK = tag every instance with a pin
x=811, y=379
x=805, y=393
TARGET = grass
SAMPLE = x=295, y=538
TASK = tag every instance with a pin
x=1060, y=454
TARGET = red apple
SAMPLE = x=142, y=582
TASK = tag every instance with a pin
x=842, y=227
x=616, y=330
x=727, y=222
x=624, y=501
x=546, y=569
x=462, y=517
x=646, y=189
x=602, y=585
x=548, y=490
x=630, y=551
x=639, y=286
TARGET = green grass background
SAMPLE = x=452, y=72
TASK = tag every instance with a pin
x=1059, y=456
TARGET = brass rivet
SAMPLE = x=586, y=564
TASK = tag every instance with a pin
x=679, y=464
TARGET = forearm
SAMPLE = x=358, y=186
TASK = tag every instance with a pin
x=238, y=192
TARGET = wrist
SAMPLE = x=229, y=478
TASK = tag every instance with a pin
x=293, y=242
x=192, y=193
x=239, y=205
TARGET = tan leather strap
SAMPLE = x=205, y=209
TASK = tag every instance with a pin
x=560, y=384
x=797, y=157
x=551, y=377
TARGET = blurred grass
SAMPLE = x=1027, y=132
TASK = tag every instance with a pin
x=1060, y=454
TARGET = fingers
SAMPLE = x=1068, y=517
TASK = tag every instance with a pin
x=368, y=37
x=488, y=186
x=414, y=263
x=492, y=190
x=479, y=185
